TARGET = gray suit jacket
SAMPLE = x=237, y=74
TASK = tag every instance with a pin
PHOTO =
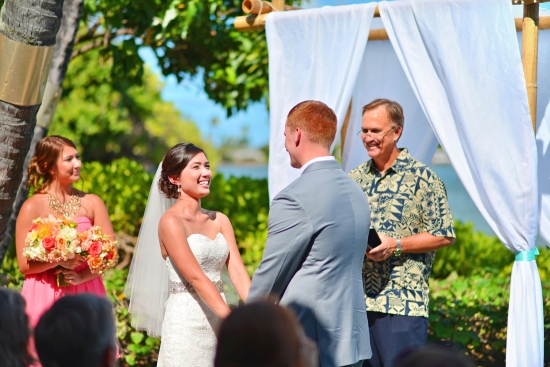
x=317, y=237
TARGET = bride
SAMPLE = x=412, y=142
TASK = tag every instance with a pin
x=174, y=284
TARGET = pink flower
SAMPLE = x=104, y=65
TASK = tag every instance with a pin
x=48, y=243
x=95, y=249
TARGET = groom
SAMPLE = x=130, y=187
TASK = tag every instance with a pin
x=317, y=237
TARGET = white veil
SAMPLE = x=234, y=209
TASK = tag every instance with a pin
x=147, y=284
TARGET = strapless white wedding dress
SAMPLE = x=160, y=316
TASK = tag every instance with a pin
x=188, y=337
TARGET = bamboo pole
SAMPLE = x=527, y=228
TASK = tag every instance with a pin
x=244, y=23
x=279, y=4
x=262, y=7
x=344, y=130
x=529, y=56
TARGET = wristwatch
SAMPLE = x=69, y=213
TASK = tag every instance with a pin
x=398, y=251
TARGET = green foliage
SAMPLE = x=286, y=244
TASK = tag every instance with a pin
x=188, y=37
x=136, y=347
x=10, y=276
x=110, y=118
x=473, y=312
x=124, y=187
x=246, y=202
x=473, y=253
x=476, y=254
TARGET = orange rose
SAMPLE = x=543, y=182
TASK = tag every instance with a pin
x=48, y=243
x=95, y=249
x=61, y=243
x=94, y=262
x=83, y=236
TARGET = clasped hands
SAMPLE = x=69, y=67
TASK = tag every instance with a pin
x=69, y=275
x=383, y=251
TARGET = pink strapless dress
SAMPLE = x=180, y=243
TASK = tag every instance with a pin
x=41, y=291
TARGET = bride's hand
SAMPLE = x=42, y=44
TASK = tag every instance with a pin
x=73, y=263
x=70, y=276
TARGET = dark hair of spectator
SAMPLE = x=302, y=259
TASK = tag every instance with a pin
x=44, y=161
x=175, y=160
x=14, y=330
x=259, y=334
x=77, y=330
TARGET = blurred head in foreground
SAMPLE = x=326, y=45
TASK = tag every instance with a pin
x=433, y=355
x=14, y=330
x=79, y=331
x=263, y=334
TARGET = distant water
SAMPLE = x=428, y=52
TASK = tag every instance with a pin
x=462, y=206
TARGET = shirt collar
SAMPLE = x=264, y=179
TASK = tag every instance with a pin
x=401, y=162
x=318, y=159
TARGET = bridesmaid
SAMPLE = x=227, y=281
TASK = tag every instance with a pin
x=53, y=170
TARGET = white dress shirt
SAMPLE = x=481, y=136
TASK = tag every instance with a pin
x=318, y=159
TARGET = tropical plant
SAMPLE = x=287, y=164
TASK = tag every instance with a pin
x=110, y=119
x=36, y=24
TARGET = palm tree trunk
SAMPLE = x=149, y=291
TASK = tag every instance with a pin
x=63, y=49
x=34, y=23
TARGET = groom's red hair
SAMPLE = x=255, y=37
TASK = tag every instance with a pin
x=316, y=119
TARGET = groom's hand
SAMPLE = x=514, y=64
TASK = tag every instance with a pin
x=386, y=248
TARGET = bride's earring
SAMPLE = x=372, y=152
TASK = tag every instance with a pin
x=179, y=189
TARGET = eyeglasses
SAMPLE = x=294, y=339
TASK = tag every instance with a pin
x=376, y=136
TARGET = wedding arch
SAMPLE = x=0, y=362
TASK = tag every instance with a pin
x=456, y=68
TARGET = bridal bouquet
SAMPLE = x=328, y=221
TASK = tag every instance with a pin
x=54, y=239
x=100, y=252
x=51, y=239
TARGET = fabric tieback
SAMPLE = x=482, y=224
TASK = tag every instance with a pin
x=528, y=255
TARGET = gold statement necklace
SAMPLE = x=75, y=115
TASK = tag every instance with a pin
x=67, y=209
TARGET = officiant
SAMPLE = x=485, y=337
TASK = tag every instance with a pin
x=410, y=213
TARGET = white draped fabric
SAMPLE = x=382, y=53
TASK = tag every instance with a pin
x=543, y=146
x=471, y=86
x=543, y=131
x=309, y=60
x=381, y=76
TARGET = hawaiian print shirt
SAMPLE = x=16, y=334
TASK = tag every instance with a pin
x=408, y=199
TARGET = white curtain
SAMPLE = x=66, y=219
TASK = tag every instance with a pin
x=471, y=86
x=543, y=131
x=543, y=147
x=313, y=55
x=381, y=76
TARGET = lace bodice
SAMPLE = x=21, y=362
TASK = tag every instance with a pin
x=188, y=337
x=210, y=254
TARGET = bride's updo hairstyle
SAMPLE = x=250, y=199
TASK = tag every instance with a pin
x=177, y=158
x=43, y=162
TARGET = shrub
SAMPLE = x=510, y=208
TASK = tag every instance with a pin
x=246, y=202
x=475, y=253
x=124, y=187
x=473, y=312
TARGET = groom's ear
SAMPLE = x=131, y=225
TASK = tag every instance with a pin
x=298, y=136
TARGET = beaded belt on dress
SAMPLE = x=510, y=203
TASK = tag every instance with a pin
x=185, y=286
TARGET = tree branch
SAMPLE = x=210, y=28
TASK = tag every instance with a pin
x=102, y=39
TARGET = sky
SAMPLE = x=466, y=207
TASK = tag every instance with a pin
x=190, y=99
